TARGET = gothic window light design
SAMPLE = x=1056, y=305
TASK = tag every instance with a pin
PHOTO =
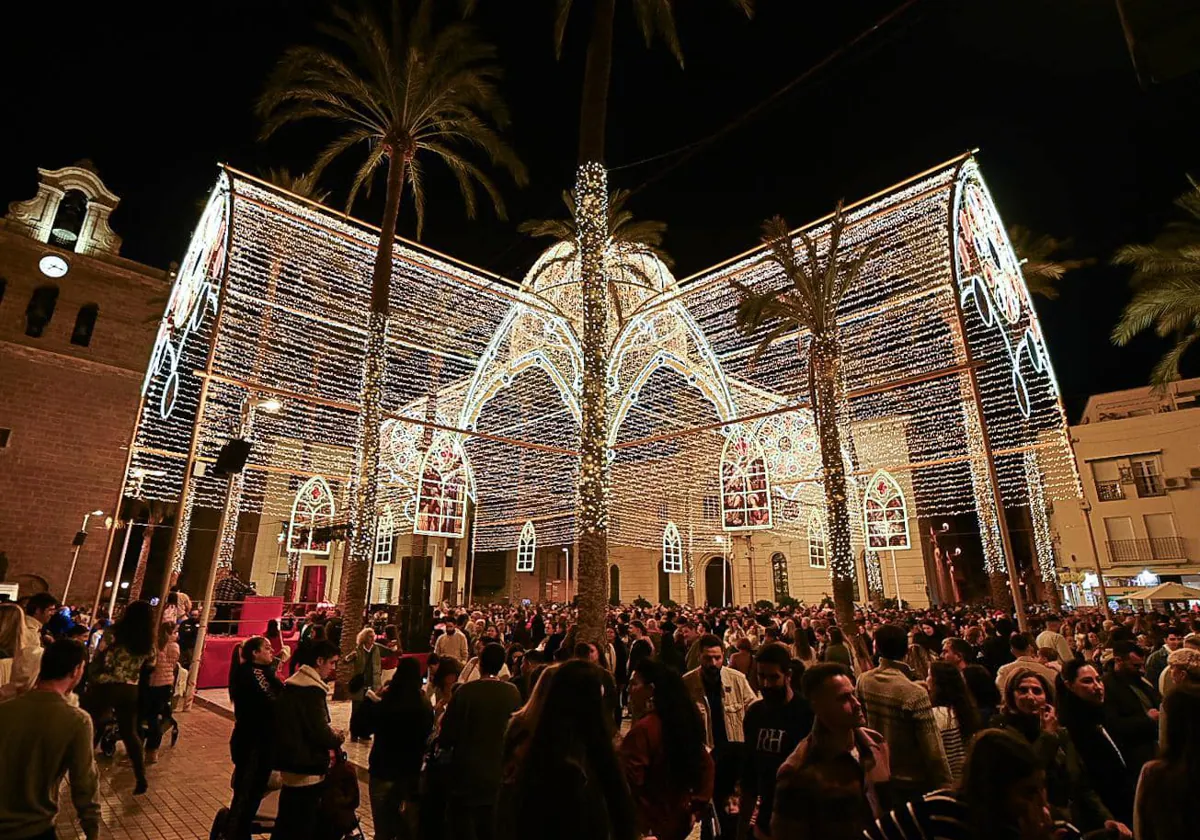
x=818, y=556
x=745, y=489
x=672, y=550
x=886, y=513
x=526, y=547
x=442, y=493
x=385, y=529
x=312, y=509
x=789, y=444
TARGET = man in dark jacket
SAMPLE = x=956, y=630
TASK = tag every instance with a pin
x=304, y=740
x=1081, y=710
x=473, y=730
x=773, y=727
x=1131, y=705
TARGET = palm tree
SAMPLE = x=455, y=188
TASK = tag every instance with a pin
x=1166, y=283
x=654, y=18
x=406, y=91
x=1041, y=266
x=808, y=303
x=156, y=514
x=303, y=185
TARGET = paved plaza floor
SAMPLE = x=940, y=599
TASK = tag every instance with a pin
x=188, y=785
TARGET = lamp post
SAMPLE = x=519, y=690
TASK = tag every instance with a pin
x=1086, y=507
x=80, y=537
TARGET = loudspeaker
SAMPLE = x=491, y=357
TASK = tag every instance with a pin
x=232, y=457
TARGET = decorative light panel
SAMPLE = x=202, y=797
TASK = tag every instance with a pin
x=672, y=553
x=313, y=509
x=745, y=488
x=885, y=513
x=385, y=532
x=526, y=547
x=442, y=494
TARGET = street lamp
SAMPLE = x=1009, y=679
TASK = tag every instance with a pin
x=80, y=538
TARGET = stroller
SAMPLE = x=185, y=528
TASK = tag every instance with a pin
x=337, y=818
x=110, y=735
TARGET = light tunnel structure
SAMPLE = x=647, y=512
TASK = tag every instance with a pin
x=949, y=402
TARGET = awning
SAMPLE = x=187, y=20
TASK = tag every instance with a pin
x=1166, y=592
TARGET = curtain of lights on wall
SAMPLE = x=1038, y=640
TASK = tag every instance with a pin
x=886, y=513
x=442, y=495
x=745, y=489
x=526, y=547
x=385, y=530
x=672, y=553
x=312, y=509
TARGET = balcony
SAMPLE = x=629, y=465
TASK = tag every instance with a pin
x=1109, y=491
x=1140, y=551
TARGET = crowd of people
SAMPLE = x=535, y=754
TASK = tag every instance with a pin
x=761, y=723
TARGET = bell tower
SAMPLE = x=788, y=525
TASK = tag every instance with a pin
x=70, y=210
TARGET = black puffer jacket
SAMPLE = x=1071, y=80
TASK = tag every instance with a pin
x=253, y=690
x=303, y=736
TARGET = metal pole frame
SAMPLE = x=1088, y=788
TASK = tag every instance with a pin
x=972, y=375
x=116, y=584
x=1086, y=507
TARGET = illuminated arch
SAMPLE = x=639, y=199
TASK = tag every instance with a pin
x=885, y=513
x=312, y=508
x=385, y=531
x=672, y=553
x=818, y=550
x=745, y=484
x=194, y=295
x=443, y=489
x=526, y=547
x=989, y=280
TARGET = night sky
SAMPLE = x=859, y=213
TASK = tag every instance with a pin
x=1069, y=142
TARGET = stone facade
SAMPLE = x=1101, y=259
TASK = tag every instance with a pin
x=69, y=396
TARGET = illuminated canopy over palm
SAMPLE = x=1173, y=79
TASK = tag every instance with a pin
x=404, y=90
x=817, y=277
x=1038, y=255
x=629, y=241
x=1166, y=283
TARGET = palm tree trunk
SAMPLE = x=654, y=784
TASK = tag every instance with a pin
x=153, y=519
x=591, y=200
x=366, y=476
x=597, y=73
x=823, y=392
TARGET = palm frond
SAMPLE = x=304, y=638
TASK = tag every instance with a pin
x=1041, y=265
x=1166, y=284
x=303, y=185
x=404, y=87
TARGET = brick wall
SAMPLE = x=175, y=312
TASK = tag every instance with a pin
x=70, y=409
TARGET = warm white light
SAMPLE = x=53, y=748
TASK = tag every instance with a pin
x=269, y=406
x=124, y=584
x=96, y=513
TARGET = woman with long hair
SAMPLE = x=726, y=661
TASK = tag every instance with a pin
x=113, y=681
x=836, y=650
x=160, y=688
x=1029, y=713
x=568, y=781
x=403, y=724
x=443, y=683
x=954, y=712
x=669, y=771
x=12, y=640
x=1160, y=809
x=802, y=649
x=253, y=686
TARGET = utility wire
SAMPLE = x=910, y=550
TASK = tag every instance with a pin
x=690, y=150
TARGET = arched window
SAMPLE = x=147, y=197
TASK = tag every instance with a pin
x=385, y=530
x=312, y=509
x=40, y=310
x=745, y=490
x=817, y=555
x=885, y=513
x=526, y=547
x=442, y=492
x=68, y=220
x=779, y=576
x=672, y=558
x=85, y=323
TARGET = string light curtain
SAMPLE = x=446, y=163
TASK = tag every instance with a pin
x=271, y=301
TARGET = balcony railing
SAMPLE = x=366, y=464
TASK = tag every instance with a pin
x=1154, y=548
x=1109, y=491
